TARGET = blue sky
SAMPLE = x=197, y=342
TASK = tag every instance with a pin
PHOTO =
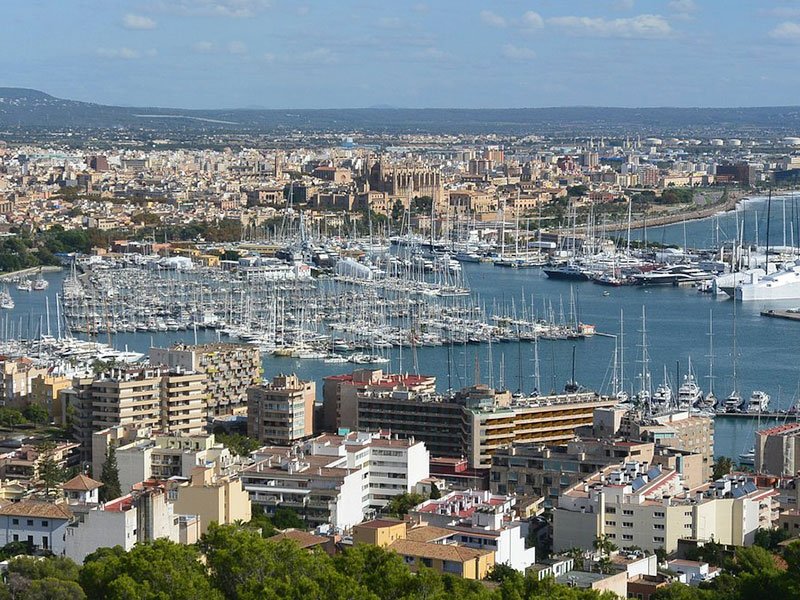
x=415, y=53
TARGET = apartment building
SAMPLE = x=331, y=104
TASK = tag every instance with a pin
x=336, y=479
x=282, y=411
x=634, y=504
x=479, y=520
x=143, y=515
x=426, y=546
x=546, y=471
x=680, y=429
x=213, y=497
x=777, y=450
x=165, y=456
x=340, y=393
x=229, y=368
x=476, y=421
x=40, y=524
x=172, y=401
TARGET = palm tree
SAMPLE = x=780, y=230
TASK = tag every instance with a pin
x=604, y=545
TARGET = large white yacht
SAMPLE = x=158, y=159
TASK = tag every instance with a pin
x=783, y=284
x=758, y=402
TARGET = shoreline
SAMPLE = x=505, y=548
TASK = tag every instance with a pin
x=679, y=217
x=30, y=270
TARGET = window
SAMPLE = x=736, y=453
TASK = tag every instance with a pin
x=627, y=512
x=628, y=524
x=627, y=536
x=612, y=536
x=658, y=539
x=658, y=526
x=16, y=537
x=15, y=521
x=427, y=562
x=611, y=523
x=658, y=515
x=45, y=523
x=44, y=542
x=30, y=522
x=611, y=511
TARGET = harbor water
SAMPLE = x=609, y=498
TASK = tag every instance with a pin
x=677, y=330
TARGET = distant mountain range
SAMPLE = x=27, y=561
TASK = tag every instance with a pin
x=31, y=109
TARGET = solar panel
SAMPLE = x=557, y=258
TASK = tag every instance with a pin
x=638, y=483
x=653, y=473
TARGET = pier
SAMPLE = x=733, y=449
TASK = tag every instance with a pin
x=789, y=315
x=763, y=415
x=15, y=275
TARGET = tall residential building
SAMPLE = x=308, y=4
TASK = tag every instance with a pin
x=778, y=450
x=213, y=497
x=681, y=430
x=230, y=370
x=546, y=471
x=336, y=479
x=171, y=401
x=476, y=421
x=340, y=393
x=281, y=412
x=650, y=507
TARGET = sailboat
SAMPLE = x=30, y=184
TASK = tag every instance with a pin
x=6, y=301
x=733, y=403
x=710, y=401
x=644, y=395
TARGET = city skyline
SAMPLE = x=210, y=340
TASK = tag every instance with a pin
x=276, y=54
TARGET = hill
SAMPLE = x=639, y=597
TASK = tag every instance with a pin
x=31, y=109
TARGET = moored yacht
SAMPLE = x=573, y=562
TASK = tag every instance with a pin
x=758, y=402
x=783, y=284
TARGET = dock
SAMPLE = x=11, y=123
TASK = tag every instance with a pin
x=15, y=275
x=789, y=315
x=764, y=415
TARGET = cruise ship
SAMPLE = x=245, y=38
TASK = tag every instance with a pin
x=783, y=284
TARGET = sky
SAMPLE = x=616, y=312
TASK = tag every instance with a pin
x=405, y=53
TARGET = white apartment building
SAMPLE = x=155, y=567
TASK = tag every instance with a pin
x=165, y=456
x=481, y=520
x=634, y=505
x=336, y=479
x=144, y=515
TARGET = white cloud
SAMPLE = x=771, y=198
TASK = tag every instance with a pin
x=237, y=47
x=213, y=8
x=390, y=22
x=131, y=21
x=532, y=20
x=682, y=6
x=786, y=12
x=624, y=4
x=788, y=30
x=120, y=53
x=320, y=56
x=432, y=53
x=204, y=47
x=640, y=26
x=491, y=19
x=518, y=53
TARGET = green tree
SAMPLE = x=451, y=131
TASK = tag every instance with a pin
x=36, y=413
x=56, y=567
x=11, y=417
x=49, y=471
x=769, y=539
x=435, y=493
x=401, y=504
x=50, y=588
x=397, y=211
x=160, y=570
x=286, y=518
x=604, y=545
x=722, y=466
x=237, y=443
x=110, y=476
